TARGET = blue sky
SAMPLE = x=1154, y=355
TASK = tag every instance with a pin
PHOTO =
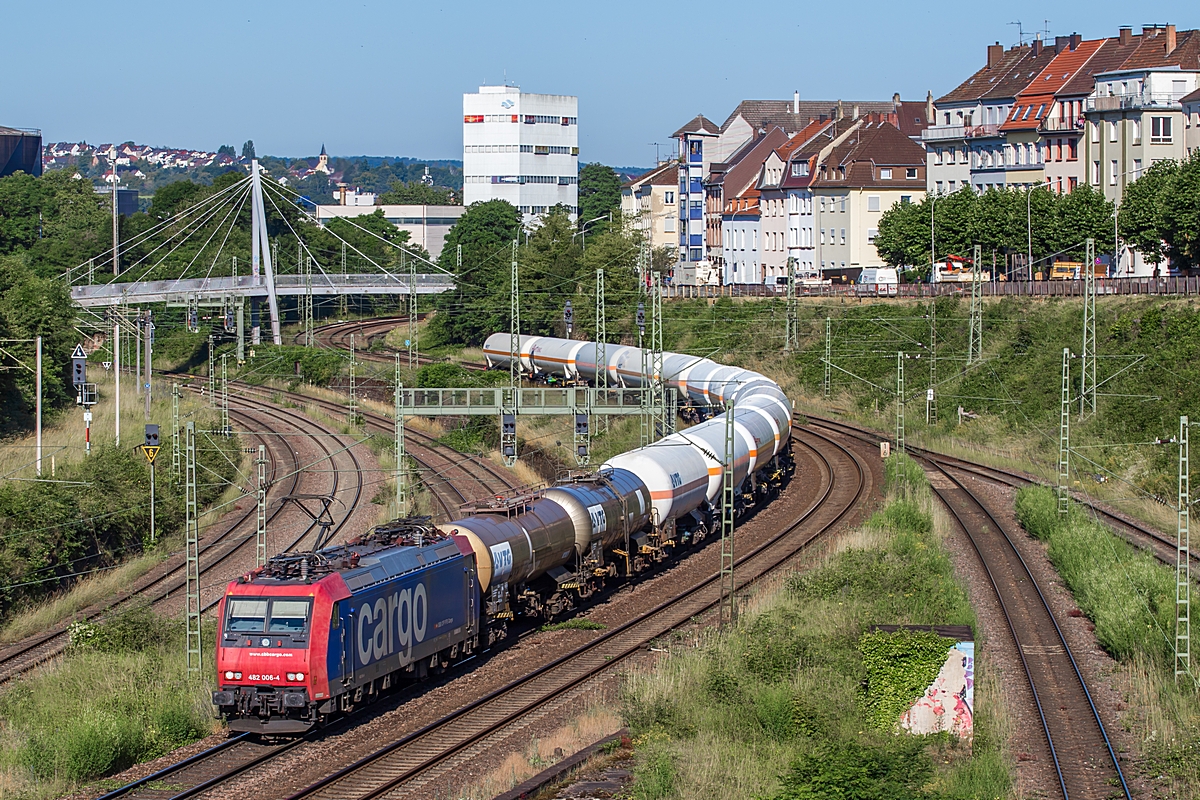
x=386, y=78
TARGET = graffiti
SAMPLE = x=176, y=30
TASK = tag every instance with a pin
x=949, y=702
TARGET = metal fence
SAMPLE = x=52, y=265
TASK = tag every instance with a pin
x=1181, y=286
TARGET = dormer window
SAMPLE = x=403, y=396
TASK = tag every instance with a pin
x=885, y=174
x=799, y=169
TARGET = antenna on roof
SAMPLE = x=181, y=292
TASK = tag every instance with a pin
x=1020, y=32
x=657, y=145
x=1046, y=29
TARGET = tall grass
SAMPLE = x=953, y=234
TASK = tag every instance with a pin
x=1130, y=597
x=122, y=696
x=774, y=707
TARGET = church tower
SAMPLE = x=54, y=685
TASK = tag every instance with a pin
x=322, y=161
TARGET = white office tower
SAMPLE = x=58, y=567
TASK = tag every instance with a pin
x=521, y=147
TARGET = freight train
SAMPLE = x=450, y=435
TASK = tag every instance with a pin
x=316, y=634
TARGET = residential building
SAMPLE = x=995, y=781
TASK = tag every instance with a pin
x=648, y=205
x=862, y=174
x=427, y=226
x=733, y=199
x=695, y=149
x=809, y=146
x=1191, y=122
x=521, y=147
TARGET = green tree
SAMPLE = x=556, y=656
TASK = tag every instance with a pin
x=226, y=150
x=1180, y=214
x=417, y=194
x=1082, y=214
x=548, y=263
x=248, y=149
x=599, y=194
x=1140, y=218
x=903, y=237
x=478, y=306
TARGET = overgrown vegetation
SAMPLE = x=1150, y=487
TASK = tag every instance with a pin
x=96, y=513
x=1130, y=597
x=122, y=695
x=775, y=708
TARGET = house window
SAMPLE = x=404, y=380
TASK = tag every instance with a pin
x=1137, y=168
x=669, y=225
x=911, y=173
x=696, y=254
x=885, y=174
x=1135, y=130
x=1112, y=172
x=822, y=236
x=905, y=199
x=799, y=169
x=1160, y=130
x=1095, y=132
x=938, y=187
x=1072, y=182
x=871, y=234
x=940, y=157
x=669, y=198
x=951, y=187
x=843, y=235
x=872, y=202
x=1112, y=130
x=1072, y=149
x=1096, y=173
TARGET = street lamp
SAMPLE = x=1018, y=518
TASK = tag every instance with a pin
x=583, y=228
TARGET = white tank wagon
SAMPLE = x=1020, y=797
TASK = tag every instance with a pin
x=541, y=554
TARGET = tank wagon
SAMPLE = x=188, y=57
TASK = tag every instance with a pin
x=310, y=635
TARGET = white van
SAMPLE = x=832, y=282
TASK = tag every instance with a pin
x=880, y=280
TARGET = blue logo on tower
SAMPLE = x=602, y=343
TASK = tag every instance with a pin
x=507, y=104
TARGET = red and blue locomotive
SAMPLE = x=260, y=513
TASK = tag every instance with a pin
x=313, y=634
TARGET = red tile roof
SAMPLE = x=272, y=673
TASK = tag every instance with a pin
x=1151, y=52
x=873, y=144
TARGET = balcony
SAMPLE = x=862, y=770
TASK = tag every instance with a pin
x=947, y=132
x=1121, y=102
x=1058, y=124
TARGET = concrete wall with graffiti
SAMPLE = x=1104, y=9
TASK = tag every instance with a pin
x=949, y=702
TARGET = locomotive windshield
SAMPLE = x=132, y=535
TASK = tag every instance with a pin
x=263, y=615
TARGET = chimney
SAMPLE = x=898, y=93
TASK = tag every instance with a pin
x=1062, y=43
x=1126, y=35
x=929, y=112
x=1076, y=40
x=341, y=187
x=1037, y=45
x=1169, y=45
x=855, y=111
x=995, y=52
x=796, y=102
x=896, y=101
x=841, y=113
x=1149, y=31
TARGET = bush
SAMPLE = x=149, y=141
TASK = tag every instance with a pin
x=132, y=631
x=895, y=769
x=899, y=667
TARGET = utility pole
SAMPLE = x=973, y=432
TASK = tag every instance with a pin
x=791, y=340
x=728, y=608
x=510, y=409
x=401, y=462
x=225, y=429
x=212, y=372
x=1087, y=380
x=116, y=229
x=175, y=454
x=137, y=359
x=342, y=306
x=647, y=404
x=241, y=331
x=900, y=402
x=117, y=370
x=192, y=546
x=1064, y=433
x=37, y=379
x=306, y=302
x=1183, y=567
x=601, y=341
x=148, y=327
x=353, y=420
x=828, y=356
x=664, y=418
x=975, y=345
x=260, y=501
x=931, y=414
x=413, y=330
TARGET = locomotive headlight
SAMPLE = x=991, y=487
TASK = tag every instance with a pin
x=299, y=676
x=228, y=675
x=237, y=675
x=291, y=676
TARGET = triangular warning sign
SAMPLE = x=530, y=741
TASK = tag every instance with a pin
x=78, y=352
x=150, y=452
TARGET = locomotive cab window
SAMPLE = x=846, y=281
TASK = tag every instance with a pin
x=288, y=616
x=247, y=615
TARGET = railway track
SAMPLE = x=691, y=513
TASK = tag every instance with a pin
x=414, y=760
x=449, y=477
x=1134, y=532
x=1082, y=754
x=414, y=763
x=216, y=551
